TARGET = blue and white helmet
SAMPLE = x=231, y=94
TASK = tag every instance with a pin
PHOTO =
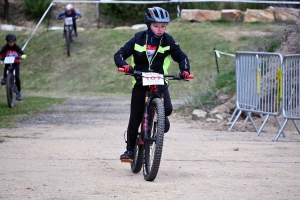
x=156, y=14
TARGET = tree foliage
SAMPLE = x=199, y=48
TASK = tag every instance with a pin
x=36, y=8
x=6, y=10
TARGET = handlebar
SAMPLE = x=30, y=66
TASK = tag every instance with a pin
x=173, y=76
x=63, y=17
x=16, y=57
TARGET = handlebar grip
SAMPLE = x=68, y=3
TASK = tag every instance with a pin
x=120, y=69
x=191, y=77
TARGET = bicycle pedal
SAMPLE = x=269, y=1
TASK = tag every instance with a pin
x=126, y=160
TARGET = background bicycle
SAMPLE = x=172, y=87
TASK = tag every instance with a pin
x=69, y=32
x=11, y=87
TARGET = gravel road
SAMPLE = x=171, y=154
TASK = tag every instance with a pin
x=71, y=151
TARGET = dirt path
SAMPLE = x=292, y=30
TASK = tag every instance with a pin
x=72, y=152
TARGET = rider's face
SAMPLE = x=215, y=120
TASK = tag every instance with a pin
x=11, y=43
x=158, y=28
x=69, y=12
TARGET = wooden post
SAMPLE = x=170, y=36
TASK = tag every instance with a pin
x=98, y=14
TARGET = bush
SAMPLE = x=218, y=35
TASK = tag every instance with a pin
x=36, y=8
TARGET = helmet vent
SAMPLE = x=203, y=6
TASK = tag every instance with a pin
x=156, y=13
x=162, y=14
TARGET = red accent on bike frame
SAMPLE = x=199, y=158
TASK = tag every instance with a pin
x=141, y=141
x=153, y=88
x=145, y=123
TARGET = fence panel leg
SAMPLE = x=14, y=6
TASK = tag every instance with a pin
x=263, y=124
x=281, y=129
x=296, y=125
x=236, y=118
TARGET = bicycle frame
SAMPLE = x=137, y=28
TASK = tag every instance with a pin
x=149, y=143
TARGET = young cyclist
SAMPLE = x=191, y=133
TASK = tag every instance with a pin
x=12, y=49
x=70, y=12
x=151, y=51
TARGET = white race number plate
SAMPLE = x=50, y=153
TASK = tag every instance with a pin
x=68, y=21
x=150, y=78
x=9, y=60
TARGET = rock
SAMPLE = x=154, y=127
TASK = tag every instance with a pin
x=198, y=114
x=9, y=27
x=220, y=117
x=252, y=15
x=139, y=26
x=284, y=14
x=200, y=15
x=232, y=15
x=210, y=120
x=123, y=28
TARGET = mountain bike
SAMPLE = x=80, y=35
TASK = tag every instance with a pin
x=11, y=87
x=149, y=142
x=69, y=32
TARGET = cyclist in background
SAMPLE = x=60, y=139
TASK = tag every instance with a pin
x=151, y=51
x=70, y=12
x=11, y=49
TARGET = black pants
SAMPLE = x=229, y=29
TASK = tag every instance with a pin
x=137, y=110
x=17, y=75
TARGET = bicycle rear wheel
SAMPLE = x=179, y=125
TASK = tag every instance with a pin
x=154, y=143
x=138, y=156
x=68, y=40
x=10, y=90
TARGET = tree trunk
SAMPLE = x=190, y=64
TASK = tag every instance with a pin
x=6, y=11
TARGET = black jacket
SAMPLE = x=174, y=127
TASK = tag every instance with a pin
x=136, y=47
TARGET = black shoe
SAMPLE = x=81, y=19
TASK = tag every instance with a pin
x=167, y=124
x=19, y=96
x=127, y=156
x=3, y=81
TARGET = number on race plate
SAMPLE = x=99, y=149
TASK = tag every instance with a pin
x=9, y=60
x=68, y=21
x=150, y=78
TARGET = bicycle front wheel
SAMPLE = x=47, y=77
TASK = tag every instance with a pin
x=10, y=90
x=153, y=144
x=68, y=40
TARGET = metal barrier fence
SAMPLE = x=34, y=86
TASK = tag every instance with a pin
x=258, y=86
x=291, y=91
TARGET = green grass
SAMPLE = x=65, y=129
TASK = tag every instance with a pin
x=29, y=106
x=48, y=73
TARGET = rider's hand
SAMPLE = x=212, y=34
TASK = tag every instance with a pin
x=23, y=57
x=184, y=74
x=128, y=69
x=57, y=17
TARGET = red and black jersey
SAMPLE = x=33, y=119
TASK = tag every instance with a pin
x=11, y=51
